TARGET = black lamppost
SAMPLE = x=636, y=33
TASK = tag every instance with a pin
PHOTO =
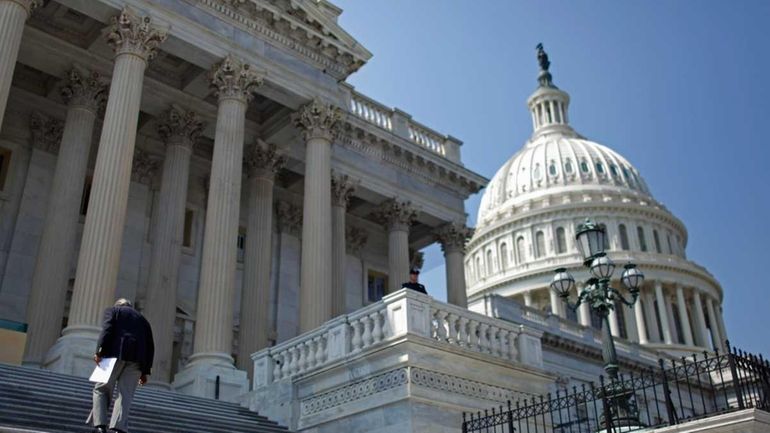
x=601, y=297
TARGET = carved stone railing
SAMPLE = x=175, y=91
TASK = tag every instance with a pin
x=401, y=124
x=405, y=314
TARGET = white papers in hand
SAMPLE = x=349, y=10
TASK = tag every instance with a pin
x=103, y=370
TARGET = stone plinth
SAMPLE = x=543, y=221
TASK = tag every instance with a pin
x=407, y=363
x=200, y=380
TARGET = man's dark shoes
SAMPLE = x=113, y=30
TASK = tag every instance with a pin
x=100, y=429
x=114, y=430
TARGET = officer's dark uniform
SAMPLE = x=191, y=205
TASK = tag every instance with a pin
x=415, y=286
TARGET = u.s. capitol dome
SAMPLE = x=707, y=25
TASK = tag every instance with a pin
x=526, y=228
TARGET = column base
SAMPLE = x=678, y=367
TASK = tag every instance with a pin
x=73, y=352
x=199, y=378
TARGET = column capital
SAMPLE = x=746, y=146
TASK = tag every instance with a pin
x=396, y=214
x=84, y=88
x=453, y=237
x=289, y=218
x=132, y=34
x=355, y=239
x=263, y=159
x=233, y=79
x=28, y=5
x=144, y=167
x=179, y=126
x=342, y=188
x=46, y=132
x=317, y=120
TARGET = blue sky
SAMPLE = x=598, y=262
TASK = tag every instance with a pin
x=680, y=88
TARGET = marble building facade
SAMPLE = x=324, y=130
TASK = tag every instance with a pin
x=208, y=160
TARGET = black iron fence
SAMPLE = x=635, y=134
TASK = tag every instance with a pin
x=676, y=391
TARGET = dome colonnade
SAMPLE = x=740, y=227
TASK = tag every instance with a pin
x=526, y=228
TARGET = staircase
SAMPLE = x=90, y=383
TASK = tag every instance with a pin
x=42, y=401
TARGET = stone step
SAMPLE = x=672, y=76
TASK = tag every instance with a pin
x=47, y=402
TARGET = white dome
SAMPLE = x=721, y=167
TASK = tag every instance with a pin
x=555, y=163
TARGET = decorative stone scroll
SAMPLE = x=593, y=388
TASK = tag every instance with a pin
x=318, y=120
x=46, y=132
x=144, y=167
x=342, y=188
x=396, y=214
x=289, y=218
x=263, y=159
x=233, y=79
x=84, y=88
x=131, y=34
x=453, y=236
x=179, y=126
x=355, y=239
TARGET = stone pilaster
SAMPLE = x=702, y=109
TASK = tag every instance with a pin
x=179, y=129
x=318, y=123
x=84, y=93
x=13, y=15
x=234, y=84
x=397, y=216
x=134, y=41
x=453, y=238
x=342, y=188
x=700, y=331
x=262, y=163
x=684, y=318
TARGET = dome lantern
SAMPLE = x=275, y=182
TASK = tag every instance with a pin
x=548, y=104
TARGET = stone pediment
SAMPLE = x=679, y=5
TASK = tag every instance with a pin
x=306, y=26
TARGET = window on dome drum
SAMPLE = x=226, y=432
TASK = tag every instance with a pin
x=677, y=324
x=656, y=309
x=568, y=167
x=521, y=249
x=620, y=314
x=584, y=166
x=642, y=240
x=478, y=267
x=623, y=237
x=600, y=168
x=489, y=262
x=656, y=238
x=5, y=165
x=668, y=239
x=606, y=237
x=540, y=244
x=552, y=169
x=614, y=170
x=503, y=256
x=561, y=240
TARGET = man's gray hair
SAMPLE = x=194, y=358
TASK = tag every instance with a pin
x=123, y=302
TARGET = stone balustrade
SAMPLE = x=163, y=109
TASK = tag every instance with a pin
x=403, y=314
x=401, y=123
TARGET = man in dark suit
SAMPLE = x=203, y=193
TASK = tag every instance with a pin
x=127, y=336
x=414, y=274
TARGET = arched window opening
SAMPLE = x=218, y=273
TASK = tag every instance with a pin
x=490, y=269
x=656, y=238
x=504, y=256
x=668, y=239
x=478, y=267
x=540, y=244
x=561, y=241
x=623, y=237
x=568, y=166
x=606, y=237
x=521, y=249
x=600, y=167
x=642, y=240
x=584, y=166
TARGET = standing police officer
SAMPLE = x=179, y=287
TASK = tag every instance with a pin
x=414, y=273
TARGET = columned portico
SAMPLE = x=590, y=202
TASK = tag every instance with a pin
x=262, y=163
x=453, y=238
x=234, y=82
x=134, y=41
x=397, y=216
x=179, y=129
x=318, y=123
x=13, y=15
x=85, y=93
x=342, y=188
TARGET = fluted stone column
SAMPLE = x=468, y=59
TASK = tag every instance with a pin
x=716, y=336
x=684, y=318
x=179, y=129
x=700, y=331
x=641, y=326
x=234, y=83
x=614, y=327
x=528, y=298
x=84, y=92
x=585, y=315
x=318, y=123
x=662, y=311
x=397, y=216
x=13, y=15
x=721, y=324
x=453, y=238
x=555, y=301
x=262, y=163
x=134, y=41
x=342, y=188
x=653, y=332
